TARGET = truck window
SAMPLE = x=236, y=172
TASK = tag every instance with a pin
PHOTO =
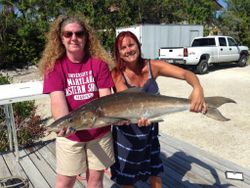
x=204, y=42
x=231, y=42
x=222, y=41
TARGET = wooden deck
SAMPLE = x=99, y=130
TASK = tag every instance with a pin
x=185, y=166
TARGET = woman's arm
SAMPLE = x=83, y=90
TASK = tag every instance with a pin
x=59, y=107
x=161, y=68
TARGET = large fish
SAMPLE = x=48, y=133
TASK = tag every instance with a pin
x=132, y=105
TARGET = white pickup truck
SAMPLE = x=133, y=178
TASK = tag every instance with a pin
x=205, y=51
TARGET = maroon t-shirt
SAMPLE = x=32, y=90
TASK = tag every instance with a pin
x=80, y=82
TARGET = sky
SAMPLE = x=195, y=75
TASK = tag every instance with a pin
x=222, y=2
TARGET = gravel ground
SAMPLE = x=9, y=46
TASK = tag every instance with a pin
x=229, y=140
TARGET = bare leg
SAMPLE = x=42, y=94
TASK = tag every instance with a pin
x=94, y=178
x=65, y=181
x=155, y=182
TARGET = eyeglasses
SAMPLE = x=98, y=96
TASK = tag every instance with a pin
x=69, y=34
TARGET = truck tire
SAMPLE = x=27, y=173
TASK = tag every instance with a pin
x=202, y=67
x=243, y=60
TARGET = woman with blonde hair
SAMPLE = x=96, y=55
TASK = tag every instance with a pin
x=76, y=71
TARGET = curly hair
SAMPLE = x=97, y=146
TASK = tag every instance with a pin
x=55, y=50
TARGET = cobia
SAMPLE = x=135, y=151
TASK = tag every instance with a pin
x=132, y=105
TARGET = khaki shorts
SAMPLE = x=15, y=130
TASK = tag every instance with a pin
x=73, y=158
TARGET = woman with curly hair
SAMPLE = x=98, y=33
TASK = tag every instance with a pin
x=76, y=71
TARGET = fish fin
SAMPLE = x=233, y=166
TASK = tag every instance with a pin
x=130, y=120
x=152, y=120
x=215, y=114
x=110, y=120
x=217, y=101
x=156, y=120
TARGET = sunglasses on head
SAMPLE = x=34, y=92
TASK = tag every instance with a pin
x=69, y=34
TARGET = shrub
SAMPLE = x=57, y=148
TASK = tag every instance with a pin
x=28, y=124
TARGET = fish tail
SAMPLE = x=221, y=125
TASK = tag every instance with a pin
x=215, y=102
x=215, y=114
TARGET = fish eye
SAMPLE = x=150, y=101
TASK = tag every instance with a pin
x=70, y=120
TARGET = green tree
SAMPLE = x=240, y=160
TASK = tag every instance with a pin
x=235, y=21
x=24, y=23
x=21, y=35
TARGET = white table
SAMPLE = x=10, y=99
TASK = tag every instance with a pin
x=18, y=92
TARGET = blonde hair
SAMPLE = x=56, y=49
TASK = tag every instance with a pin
x=55, y=50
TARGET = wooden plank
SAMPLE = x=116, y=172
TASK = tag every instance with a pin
x=45, y=169
x=52, y=146
x=4, y=172
x=184, y=165
x=189, y=176
x=181, y=145
x=51, y=160
x=187, y=165
x=164, y=178
x=15, y=167
x=196, y=157
x=174, y=179
x=47, y=155
x=109, y=183
x=31, y=170
x=173, y=175
x=218, y=163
